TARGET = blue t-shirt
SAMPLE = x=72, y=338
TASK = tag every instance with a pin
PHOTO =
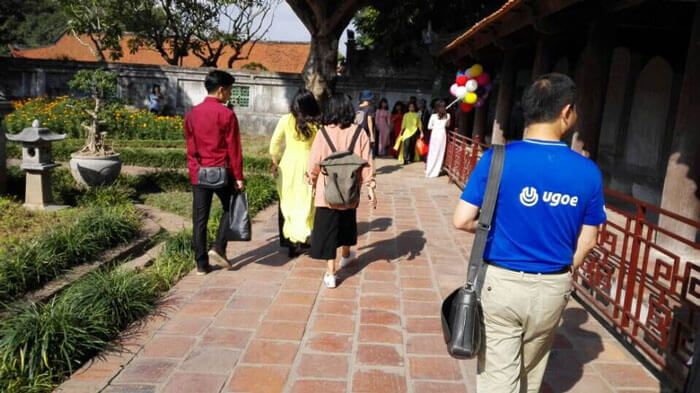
x=547, y=192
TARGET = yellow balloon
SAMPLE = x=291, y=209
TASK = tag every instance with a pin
x=476, y=70
x=465, y=98
x=471, y=98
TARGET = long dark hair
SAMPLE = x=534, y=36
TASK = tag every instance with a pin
x=305, y=110
x=338, y=110
x=440, y=109
x=383, y=101
x=398, y=107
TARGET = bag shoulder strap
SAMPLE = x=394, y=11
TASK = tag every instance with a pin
x=477, y=267
x=328, y=139
x=351, y=148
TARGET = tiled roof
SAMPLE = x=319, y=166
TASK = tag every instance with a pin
x=275, y=56
x=507, y=6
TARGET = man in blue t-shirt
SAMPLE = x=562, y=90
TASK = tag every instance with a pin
x=550, y=204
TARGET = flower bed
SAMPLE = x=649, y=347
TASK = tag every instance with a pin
x=64, y=115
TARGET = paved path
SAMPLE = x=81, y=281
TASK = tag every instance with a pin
x=271, y=327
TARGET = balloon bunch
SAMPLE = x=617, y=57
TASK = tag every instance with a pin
x=472, y=87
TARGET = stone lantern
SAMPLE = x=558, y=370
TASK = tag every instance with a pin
x=37, y=163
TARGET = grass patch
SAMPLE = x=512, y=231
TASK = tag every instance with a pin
x=17, y=223
x=40, y=345
x=28, y=264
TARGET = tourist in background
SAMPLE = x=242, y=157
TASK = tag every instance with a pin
x=396, y=121
x=437, y=126
x=155, y=100
x=365, y=118
x=213, y=140
x=337, y=227
x=383, y=120
x=296, y=209
x=411, y=128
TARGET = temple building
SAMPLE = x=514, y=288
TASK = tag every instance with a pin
x=637, y=66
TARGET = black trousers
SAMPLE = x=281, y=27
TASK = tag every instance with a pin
x=201, y=206
x=409, y=148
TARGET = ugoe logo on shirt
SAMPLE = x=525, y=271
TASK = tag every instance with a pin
x=529, y=198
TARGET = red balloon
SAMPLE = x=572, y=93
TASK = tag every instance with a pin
x=483, y=79
x=461, y=80
x=465, y=107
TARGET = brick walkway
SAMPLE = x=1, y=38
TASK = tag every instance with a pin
x=270, y=326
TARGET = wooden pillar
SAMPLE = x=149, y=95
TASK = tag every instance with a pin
x=542, y=62
x=681, y=185
x=480, y=120
x=592, y=80
x=504, y=101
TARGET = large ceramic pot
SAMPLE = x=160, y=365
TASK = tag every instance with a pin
x=95, y=171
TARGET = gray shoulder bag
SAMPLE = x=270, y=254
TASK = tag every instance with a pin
x=462, y=323
x=208, y=176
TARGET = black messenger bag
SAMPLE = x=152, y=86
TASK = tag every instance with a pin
x=462, y=323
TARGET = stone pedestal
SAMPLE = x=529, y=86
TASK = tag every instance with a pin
x=38, y=191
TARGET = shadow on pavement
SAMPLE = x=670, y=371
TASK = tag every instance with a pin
x=568, y=359
x=407, y=246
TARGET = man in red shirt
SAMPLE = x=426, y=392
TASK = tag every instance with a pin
x=213, y=140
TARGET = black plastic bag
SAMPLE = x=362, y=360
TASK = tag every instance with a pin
x=238, y=225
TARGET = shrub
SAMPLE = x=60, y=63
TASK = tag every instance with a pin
x=31, y=263
x=42, y=344
x=64, y=115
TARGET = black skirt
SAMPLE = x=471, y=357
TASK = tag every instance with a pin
x=332, y=229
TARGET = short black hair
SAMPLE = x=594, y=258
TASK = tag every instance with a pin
x=338, y=109
x=216, y=79
x=544, y=99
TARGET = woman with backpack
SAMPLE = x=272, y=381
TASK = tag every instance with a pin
x=296, y=208
x=340, y=162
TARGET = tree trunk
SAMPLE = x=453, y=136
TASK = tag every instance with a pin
x=320, y=70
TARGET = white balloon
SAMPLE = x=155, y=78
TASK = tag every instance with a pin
x=461, y=91
x=472, y=85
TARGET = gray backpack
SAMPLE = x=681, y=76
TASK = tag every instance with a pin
x=341, y=172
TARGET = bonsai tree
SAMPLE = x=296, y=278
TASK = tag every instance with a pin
x=99, y=84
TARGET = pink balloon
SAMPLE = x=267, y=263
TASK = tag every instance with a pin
x=483, y=79
x=453, y=89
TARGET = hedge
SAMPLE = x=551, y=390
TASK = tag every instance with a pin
x=145, y=157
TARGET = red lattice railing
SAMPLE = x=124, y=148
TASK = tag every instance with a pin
x=642, y=278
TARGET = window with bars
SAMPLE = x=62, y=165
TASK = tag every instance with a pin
x=240, y=96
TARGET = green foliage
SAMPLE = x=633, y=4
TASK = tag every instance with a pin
x=98, y=20
x=29, y=23
x=254, y=66
x=65, y=114
x=98, y=83
x=30, y=263
x=42, y=344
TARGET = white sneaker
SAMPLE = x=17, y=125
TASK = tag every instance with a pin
x=346, y=261
x=329, y=280
x=219, y=259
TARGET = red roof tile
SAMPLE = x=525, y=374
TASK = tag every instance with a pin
x=275, y=56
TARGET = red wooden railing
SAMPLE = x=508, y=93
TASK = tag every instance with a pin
x=642, y=279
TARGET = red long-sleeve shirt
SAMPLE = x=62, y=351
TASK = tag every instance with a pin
x=218, y=138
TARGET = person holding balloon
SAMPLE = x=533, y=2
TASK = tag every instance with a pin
x=411, y=127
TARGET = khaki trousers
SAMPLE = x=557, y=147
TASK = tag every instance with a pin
x=521, y=312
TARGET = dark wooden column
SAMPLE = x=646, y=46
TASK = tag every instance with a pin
x=542, y=62
x=592, y=80
x=480, y=120
x=504, y=101
x=681, y=190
